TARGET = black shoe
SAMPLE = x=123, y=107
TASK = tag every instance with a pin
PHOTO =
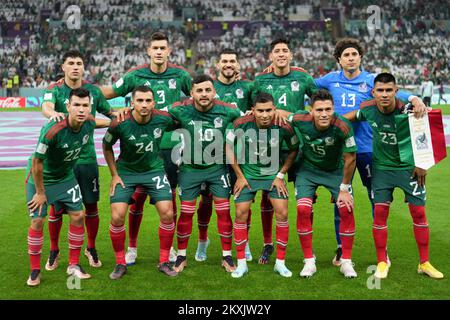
x=265, y=254
x=52, y=262
x=34, y=279
x=228, y=264
x=337, y=257
x=118, y=272
x=92, y=255
x=180, y=264
x=166, y=268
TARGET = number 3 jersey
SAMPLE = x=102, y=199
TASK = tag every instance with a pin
x=385, y=148
x=139, y=143
x=59, y=146
x=323, y=149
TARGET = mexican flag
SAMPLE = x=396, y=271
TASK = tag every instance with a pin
x=421, y=142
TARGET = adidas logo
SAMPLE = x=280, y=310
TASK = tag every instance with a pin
x=147, y=83
x=65, y=146
x=191, y=123
x=132, y=138
x=269, y=87
x=374, y=125
x=337, y=85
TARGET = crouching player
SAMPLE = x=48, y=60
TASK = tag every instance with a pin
x=390, y=172
x=259, y=143
x=139, y=165
x=328, y=159
x=51, y=180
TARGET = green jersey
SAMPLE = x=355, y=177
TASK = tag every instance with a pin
x=288, y=91
x=258, y=150
x=58, y=94
x=237, y=93
x=139, y=143
x=60, y=148
x=204, y=132
x=385, y=148
x=167, y=87
x=323, y=150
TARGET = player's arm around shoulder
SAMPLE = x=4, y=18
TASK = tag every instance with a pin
x=48, y=105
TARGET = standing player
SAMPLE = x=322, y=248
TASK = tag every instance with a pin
x=139, y=164
x=86, y=169
x=328, y=159
x=237, y=92
x=51, y=180
x=204, y=120
x=389, y=172
x=349, y=87
x=288, y=86
x=258, y=143
x=168, y=81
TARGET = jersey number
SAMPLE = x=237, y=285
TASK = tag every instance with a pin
x=351, y=100
x=208, y=135
x=318, y=149
x=72, y=154
x=160, y=185
x=161, y=96
x=226, y=180
x=282, y=100
x=388, y=136
x=76, y=193
x=415, y=192
x=148, y=147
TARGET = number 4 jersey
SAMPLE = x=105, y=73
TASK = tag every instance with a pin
x=59, y=146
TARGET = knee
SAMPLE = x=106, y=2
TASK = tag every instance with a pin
x=37, y=224
x=282, y=215
x=77, y=218
x=166, y=215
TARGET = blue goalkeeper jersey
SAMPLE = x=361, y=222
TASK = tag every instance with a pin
x=348, y=95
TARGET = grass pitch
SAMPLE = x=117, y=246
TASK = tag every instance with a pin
x=207, y=280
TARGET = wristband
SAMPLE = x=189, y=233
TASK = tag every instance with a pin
x=280, y=175
x=345, y=187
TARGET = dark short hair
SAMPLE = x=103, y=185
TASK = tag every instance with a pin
x=228, y=51
x=202, y=78
x=72, y=54
x=346, y=43
x=142, y=89
x=263, y=97
x=321, y=95
x=384, y=77
x=277, y=41
x=80, y=93
x=157, y=36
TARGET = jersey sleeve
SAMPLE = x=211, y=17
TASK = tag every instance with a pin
x=361, y=115
x=124, y=85
x=230, y=137
x=112, y=134
x=49, y=95
x=174, y=112
x=349, y=139
x=186, y=82
x=291, y=139
x=311, y=86
x=43, y=142
x=322, y=82
x=102, y=104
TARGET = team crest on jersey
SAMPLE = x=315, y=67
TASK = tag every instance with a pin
x=362, y=87
x=218, y=122
x=157, y=132
x=240, y=93
x=295, y=86
x=172, y=84
x=329, y=141
x=85, y=139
